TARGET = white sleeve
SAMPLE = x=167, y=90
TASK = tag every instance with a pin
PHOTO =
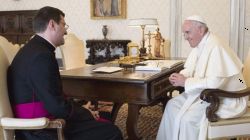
x=185, y=72
x=196, y=85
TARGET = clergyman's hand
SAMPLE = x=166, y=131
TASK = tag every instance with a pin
x=90, y=108
x=177, y=79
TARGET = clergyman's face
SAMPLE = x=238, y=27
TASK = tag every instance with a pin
x=192, y=32
x=61, y=30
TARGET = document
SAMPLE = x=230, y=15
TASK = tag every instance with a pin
x=158, y=65
x=107, y=69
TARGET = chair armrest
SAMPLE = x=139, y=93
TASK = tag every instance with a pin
x=16, y=123
x=36, y=123
x=57, y=123
x=212, y=96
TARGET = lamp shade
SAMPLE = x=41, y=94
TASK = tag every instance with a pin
x=143, y=22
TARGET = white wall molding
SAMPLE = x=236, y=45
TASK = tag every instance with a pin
x=175, y=27
x=237, y=21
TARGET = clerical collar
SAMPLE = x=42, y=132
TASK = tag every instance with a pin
x=47, y=40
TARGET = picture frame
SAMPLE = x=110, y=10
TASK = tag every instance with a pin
x=133, y=50
x=108, y=9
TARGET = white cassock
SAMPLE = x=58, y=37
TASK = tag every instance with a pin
x=210, y=65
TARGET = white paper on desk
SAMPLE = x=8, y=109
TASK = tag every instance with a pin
x=158, y=65
x=107, y=69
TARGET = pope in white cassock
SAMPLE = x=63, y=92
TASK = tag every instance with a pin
x=211, y=64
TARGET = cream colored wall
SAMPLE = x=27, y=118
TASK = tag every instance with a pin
x=215, y=12
x=78, y=16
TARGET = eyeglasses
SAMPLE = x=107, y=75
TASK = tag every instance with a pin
x=66, y=26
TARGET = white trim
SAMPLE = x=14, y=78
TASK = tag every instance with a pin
x=237, y=21
x=175, y=27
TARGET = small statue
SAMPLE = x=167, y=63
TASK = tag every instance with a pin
x=158, y=42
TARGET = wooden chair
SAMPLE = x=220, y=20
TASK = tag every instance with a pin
x=227, y=128
x=7, y=122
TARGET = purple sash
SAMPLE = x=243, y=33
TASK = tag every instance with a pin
x=31, y=110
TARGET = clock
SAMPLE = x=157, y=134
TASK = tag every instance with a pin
x=133, y=50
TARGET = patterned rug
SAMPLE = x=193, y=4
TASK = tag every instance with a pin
x=148, y=122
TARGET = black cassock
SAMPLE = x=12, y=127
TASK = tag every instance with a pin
x=34, y=76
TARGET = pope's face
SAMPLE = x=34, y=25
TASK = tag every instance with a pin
x=192, y=32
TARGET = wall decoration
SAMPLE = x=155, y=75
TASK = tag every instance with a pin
x=108, y=9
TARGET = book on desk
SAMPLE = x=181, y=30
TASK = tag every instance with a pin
x=157, y=65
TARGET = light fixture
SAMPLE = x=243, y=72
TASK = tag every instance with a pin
x=143, y=22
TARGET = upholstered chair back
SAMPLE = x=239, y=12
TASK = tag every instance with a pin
x=5, y=107
x=9, y=48
x=246, y=70
x=167, y=46
x=72, y=52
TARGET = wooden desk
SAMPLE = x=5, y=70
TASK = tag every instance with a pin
x=138, y=88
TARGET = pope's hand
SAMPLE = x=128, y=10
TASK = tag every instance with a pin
x=177, y=79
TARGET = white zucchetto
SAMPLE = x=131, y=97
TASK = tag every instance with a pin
x=196, y=18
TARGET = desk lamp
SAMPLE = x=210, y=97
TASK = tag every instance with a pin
x=143, y=22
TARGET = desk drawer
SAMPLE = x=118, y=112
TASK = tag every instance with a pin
x=160, y=86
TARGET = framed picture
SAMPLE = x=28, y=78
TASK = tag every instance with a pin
x=108, y=9
x=133, y=50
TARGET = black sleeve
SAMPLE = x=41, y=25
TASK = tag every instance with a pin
x=45, y=79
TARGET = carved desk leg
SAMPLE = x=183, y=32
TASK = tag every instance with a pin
x=115, y=110
x=131, y=124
